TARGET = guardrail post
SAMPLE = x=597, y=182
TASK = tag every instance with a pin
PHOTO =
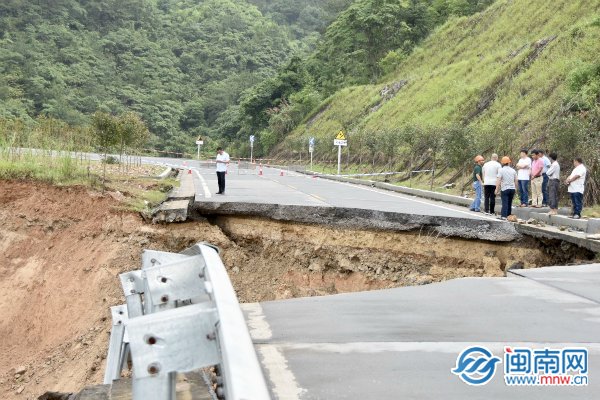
x=115, y=344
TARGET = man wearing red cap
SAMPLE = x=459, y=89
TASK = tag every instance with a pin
x=477, y=184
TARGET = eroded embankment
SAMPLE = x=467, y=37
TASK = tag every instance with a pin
x=62, y=250
x=276, y=260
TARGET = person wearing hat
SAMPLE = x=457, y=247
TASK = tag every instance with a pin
x=507, y=185
x=477, y=184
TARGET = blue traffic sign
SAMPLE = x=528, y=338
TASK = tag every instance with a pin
x=252, y=138
x=311, y=141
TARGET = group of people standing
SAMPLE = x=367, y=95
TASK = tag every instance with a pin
x=541, y=171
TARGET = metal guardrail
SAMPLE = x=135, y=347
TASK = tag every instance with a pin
x=189, y=319
x=207, y=164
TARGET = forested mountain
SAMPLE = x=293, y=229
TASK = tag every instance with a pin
x=220, y=68
x=179, y=64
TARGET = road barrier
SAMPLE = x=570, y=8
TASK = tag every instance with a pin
x=189, y=319
x=296, y=168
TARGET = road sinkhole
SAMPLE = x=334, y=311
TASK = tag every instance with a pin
x=64, y=248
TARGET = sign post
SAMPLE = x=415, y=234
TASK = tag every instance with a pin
x=311, y=148
x=199, y=142
x=251, y=147
x=339, y=141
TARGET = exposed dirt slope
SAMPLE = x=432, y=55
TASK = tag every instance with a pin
x=61, y=252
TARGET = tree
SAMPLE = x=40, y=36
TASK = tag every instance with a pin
x=107, y=136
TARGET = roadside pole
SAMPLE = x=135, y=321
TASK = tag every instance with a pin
x=311, y=148
x=199, y=142
x=339, y=141
x=251, y=147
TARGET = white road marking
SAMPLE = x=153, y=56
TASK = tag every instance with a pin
x=259, y=327
x=284, y=382
x=427, y=347
x=206, y=191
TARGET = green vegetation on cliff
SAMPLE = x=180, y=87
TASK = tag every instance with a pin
x=519, y=74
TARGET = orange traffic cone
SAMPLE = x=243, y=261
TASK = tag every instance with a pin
x=314, y=174
x=260, y=172
x=189, y=171
x=268, y=163
x=281, y=173
x=184, y=163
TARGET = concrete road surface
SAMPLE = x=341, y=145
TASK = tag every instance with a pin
x=402, y=343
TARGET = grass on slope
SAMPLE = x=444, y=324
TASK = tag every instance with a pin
x=468, y=57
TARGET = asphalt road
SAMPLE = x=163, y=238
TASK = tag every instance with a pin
x=402, y=343
x=298, y=189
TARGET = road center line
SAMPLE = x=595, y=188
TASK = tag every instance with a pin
x=314, y=195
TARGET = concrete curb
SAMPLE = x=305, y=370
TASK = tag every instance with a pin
x=165, y=173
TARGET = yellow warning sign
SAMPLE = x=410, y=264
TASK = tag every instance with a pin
x=199, y=138
x=341, y=136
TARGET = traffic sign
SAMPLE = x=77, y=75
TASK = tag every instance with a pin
x=199, y=142
x=311, y=141
x=340, y=142
x=311, y=148
x=252, y=138
x=199, y=138
x=341, y=136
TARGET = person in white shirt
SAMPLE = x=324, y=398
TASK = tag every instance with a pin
x=576, y=183
x=553, y=182
x=545, y=178
x=523, y=170
x=222, y=162
x=490, y=176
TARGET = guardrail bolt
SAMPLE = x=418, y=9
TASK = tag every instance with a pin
x=164, y=298
x=201, y=274
x=163, y=279
x=153, y=260
x=151, y=340
x=132, y=291
x=131, y=279
x=220, y=393
x=210, y=336
x=153, y=368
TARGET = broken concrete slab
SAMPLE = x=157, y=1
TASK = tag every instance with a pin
x=171, y=211
x=367, y=219
x=552, y=233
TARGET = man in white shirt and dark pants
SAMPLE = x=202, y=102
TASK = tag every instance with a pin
x=523, y=170
x=553, y=182
x=490, y=177
x=222, y=162
x=576, y=183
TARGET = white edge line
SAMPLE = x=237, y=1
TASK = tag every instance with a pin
x=206, y=191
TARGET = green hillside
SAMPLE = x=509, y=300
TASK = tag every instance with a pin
x=513, y=75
